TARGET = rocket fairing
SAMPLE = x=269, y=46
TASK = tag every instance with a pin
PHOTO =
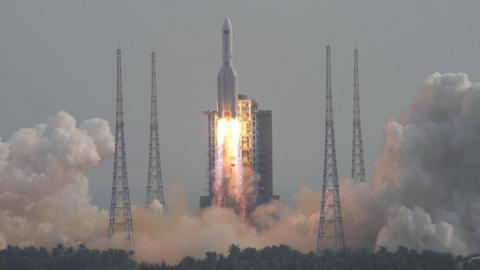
x=227, y=77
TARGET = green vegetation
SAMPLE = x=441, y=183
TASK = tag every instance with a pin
x=62, y=258
x=269, y=258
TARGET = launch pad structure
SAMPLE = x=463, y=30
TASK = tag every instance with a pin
x=256, y=149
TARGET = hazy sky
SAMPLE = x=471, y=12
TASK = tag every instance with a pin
x=60, y=55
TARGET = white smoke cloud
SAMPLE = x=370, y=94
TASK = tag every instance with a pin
x=182, y=233
x=425, y=189
x=44, y=197
x=44, y=200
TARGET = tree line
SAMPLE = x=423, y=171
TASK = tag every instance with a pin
x=269, y=258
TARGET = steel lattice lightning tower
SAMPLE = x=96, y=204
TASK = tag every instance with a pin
x=120, y=212
x=330, y=232
x=154, y=179
x=358, y=164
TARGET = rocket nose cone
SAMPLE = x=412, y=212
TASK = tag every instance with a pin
x=227, y=25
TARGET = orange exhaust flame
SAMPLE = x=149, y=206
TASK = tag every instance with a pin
x=229, y=183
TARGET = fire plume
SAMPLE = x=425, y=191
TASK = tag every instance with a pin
x=229, y=182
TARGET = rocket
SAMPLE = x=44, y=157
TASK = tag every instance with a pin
x=227, y=76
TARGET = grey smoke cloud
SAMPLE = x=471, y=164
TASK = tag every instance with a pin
x=424, y=192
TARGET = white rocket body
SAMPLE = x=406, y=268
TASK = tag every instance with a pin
x=227, y=77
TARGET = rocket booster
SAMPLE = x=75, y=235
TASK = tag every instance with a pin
x=227, y=77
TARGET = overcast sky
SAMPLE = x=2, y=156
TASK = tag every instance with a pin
x=60, y=55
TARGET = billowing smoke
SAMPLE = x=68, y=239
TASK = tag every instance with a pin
x=182, y=233
x=425, y=188
x=44, y=200
x=44, y=197
x=424, y=192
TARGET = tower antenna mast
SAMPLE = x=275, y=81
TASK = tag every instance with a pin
x=120, y=212
x=154, y=178
x=358, y=164
x=330, y=232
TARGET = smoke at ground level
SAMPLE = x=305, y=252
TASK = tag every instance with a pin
x=424, y=190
